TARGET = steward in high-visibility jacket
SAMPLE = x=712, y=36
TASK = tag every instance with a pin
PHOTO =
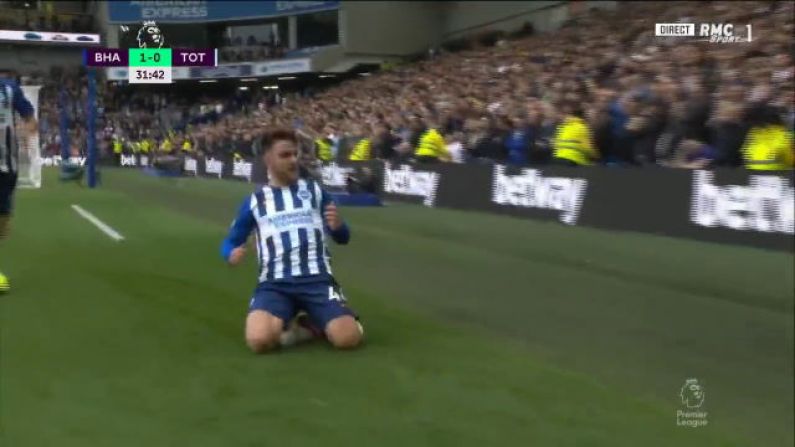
x=768, y=148
x=145, y=146
x=187, y=146
x=323, y=149
x=432, y=147
x=573, y=142
x=166, y=146
x=362, y=151
x=117, y=146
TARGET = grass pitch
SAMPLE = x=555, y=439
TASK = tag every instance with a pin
x=481, y=330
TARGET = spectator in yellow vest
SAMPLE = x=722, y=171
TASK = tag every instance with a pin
x=358, y=143
x=431, y=146
x=165, y=146
x=323, y=149
x=573, y=144
x=117, y=146
x=187, y=146
x=361, y=152
x=769, y=144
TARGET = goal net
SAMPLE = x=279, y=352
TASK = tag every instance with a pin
x=29, y=167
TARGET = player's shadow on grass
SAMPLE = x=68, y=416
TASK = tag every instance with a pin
x=313, y=346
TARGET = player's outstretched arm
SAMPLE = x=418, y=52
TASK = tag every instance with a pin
x=233, y=247
x=335, y=226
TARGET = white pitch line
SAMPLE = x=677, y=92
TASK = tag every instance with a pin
x=105, y=228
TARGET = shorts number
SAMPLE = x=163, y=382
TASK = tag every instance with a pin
x=334, y=294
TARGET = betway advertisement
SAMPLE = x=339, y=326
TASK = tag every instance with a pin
x=765, y=204
x=531, y=189
x=724, y=206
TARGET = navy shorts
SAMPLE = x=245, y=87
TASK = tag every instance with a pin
x=8, y=182
x=322, y=300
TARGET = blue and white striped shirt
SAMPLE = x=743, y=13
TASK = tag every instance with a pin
x=290, y=232
x=12, y=99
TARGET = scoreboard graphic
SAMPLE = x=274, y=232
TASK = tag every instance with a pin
x=150, y=65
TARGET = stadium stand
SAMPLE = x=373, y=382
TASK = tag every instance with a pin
x=645, y=101
x=24, y=19
x=512, y=298
x=251, y=51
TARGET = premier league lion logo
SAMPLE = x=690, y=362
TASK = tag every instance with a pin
x=150, y=36
x=692, y=394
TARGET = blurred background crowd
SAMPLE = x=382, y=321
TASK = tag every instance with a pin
x=16, y=16
x=601, y=90
x=250, y=49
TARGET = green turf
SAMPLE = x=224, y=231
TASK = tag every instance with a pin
x=482, y=330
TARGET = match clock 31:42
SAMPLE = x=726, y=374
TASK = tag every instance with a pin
x=149, y=75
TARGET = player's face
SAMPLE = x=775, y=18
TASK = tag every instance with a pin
x=282, y=161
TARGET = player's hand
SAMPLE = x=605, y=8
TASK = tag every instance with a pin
x=333, y=219
x=236, y=257
x=29, y=127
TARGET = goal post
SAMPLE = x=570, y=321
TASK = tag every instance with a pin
x=30, y=163
x=29, y=166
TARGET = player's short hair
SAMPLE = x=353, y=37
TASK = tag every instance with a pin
x=7, y=73
x=278, y=134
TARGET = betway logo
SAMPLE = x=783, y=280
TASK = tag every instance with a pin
x=213, y=166
x=128, y=160
x=408, y=182
x=144, y=160
x=242, y=169
x=191, y=166
x=56, y=161
x=530, y=190
x=335, y=175
x=766, y=205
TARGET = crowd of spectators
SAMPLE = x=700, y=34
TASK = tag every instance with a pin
x=646, y=100
x=250, y=49
x=214, y=125
x=72, y=82
x=47, y=21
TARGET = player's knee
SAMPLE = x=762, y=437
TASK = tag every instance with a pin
x=345, y=333
x=261, y=344
x=349, y=339
x=262, y=332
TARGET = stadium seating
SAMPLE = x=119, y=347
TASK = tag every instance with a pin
x=646, y=100
x=31, y=20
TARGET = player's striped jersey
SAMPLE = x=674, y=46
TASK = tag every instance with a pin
x=11, y=100
x=290, y=232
